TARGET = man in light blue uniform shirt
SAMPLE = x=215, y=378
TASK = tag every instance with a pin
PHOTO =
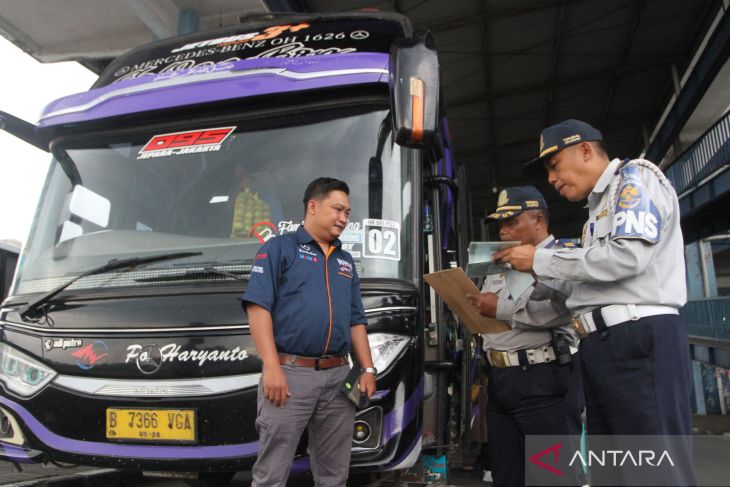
x=534, y=382
x=625, y=285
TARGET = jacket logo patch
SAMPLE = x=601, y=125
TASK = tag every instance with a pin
x=307, y=250
x=307, y=257
x=344, y=266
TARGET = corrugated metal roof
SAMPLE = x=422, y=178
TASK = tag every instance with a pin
x=509, y=67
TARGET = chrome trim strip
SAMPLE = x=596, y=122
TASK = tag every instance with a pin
x=157, y=388
x=57, y=331
x=391, y=308
x=182, y=80
x=66, y=331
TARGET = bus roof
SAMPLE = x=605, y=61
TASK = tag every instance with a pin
x=272, y=56
x=265, y=36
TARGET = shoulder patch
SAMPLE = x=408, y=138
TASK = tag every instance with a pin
x=566, y=244
x=635, y=216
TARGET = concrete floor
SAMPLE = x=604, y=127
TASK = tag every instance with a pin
x=711, y=453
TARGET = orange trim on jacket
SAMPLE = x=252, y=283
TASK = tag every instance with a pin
x=329, y=294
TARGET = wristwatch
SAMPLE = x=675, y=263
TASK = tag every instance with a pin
x=370, y=370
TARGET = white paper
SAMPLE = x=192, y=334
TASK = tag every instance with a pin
x=518, y=282
x=481, y=264
x=480, y=261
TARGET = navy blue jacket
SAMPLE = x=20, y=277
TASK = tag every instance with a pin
x=313, y=298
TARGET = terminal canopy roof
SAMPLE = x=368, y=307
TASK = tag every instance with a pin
x=509, y=67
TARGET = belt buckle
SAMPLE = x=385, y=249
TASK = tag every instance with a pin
x=316, y=363
x=578, y=327
x=498, y=359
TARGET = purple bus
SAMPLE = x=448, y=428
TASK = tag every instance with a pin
x=123, y=343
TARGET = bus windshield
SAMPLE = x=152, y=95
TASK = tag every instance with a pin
x=220, y=190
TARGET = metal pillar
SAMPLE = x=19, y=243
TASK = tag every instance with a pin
x=188, y=21
x=701, y=280
x=699, y=388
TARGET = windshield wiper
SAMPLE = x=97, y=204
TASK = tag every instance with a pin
x=197, y=273
x=30, y=311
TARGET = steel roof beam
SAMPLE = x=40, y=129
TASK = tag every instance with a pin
x=600, y=74
x=554, y=64
x=286, y=5
x=712, y=59
x=528, y=7
x=486, y=54
x=628, y=42
x=160, y=17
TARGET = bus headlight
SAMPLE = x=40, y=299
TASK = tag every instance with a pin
x=22, y=374
x=385, y=348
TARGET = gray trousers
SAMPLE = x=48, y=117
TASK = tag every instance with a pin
x=317, y=404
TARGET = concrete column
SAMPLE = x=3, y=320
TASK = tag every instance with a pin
x=701, y=284
x=699, y=387
x=701, y=280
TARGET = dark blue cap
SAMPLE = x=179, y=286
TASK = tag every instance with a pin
x=513, y=201
x=559, y=136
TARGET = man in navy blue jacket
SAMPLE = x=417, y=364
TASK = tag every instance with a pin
x=306, y=314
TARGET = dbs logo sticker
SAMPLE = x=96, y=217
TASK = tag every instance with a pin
x=193, y=141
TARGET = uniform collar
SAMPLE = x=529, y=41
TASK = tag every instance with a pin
x=606, y=176
x=544, y=243
x=304, y=237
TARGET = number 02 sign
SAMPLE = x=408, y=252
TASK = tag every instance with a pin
x=382, y=239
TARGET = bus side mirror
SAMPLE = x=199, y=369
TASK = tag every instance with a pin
x=414, y=90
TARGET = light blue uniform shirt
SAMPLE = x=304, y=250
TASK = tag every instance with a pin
x=530, y=316
x=633, y=251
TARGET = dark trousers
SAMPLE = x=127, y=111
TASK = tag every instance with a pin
x=541, y=399
x=637, y=378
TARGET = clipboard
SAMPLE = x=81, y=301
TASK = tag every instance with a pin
x=452, y=285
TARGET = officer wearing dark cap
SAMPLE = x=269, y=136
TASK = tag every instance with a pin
x=627, y=283
x=534, y=384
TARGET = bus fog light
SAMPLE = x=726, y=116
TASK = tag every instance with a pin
x=368, y=429
x=10, y=431
x=6, y=429
x=362, y=432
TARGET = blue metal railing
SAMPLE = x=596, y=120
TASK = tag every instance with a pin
x=708, y=318
x=706, y=155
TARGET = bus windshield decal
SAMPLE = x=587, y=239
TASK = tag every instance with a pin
x=269, y=33
x=189, y=142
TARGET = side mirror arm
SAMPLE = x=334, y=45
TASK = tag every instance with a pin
x=23, y=130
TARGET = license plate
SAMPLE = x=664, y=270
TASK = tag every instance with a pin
x=151, y=424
